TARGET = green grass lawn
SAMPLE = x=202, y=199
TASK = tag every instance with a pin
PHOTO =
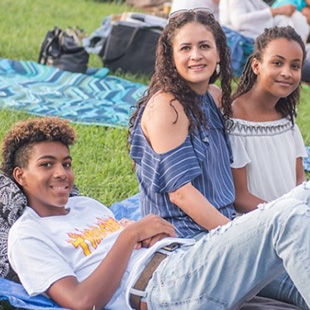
x=102, y=165
x=101, y=162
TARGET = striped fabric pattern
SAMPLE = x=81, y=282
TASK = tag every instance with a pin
x=202, y=159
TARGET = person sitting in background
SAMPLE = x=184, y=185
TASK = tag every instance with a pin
x=191, y=4
x=251, y=17
x=301, y=5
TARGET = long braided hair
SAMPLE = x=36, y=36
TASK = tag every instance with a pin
x=167, y=79
x=286, y=106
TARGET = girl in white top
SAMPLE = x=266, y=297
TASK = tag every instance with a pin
x=267, y=144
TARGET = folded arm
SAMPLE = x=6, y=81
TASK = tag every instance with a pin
x=98, y=288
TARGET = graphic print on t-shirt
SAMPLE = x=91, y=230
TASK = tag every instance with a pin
x=89, y=238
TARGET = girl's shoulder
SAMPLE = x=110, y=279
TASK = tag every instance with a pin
x=239, y=108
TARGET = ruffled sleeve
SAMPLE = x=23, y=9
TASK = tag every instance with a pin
x=299, y=143
x=240, y=154
x=169, y=171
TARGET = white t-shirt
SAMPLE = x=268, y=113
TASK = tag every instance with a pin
x=269, y=151
x=43, y=250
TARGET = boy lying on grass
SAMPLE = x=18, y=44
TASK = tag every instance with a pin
x=75, y=251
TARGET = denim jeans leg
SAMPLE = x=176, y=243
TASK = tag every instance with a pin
x=234, y=262
x=282, y=288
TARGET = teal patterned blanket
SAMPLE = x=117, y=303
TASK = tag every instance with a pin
x=97, y=98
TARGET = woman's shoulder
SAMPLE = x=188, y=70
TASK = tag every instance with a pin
x=164, y=122
x=163, y=102
x=216, y=93
x=163, y=108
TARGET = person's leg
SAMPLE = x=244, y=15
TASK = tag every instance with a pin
x=283, y=289
x=236, y=261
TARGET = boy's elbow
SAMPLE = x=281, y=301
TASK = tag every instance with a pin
x=79, y=301
x=86, y=303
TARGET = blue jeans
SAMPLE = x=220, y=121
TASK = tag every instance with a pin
x=234, y=262
x=283, y=289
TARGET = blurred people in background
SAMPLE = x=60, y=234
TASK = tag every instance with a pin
x=191, y=4
x=251, y=17
x=301, y=5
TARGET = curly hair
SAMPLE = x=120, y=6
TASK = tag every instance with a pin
x=21, y=138
x=286, y=106
x=167, y=79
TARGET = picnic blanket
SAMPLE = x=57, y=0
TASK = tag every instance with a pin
x=95, y=98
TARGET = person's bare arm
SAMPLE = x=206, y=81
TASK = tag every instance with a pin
x=300, y=173
x=98, y=288
x=287, y=10
x=245, y=201
x=196, y=206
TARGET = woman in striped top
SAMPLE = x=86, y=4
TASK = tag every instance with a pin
x=181, y=151
x=177, y=133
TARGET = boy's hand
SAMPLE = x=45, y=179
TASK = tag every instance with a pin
x=147, y=243
x=125, y=222
x=150, y=229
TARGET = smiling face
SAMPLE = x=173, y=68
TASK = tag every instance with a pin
x=48, y=179
x=279, y=71
x=195, y=55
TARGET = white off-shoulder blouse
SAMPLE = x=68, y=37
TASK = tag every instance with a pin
x=269, y=151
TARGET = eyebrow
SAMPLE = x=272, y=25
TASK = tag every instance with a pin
x=279, y=56
x=53, y=157
x=203, y=41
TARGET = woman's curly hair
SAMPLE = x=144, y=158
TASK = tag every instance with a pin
x=167, y=79
x=286, y=106
x=21, y=138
